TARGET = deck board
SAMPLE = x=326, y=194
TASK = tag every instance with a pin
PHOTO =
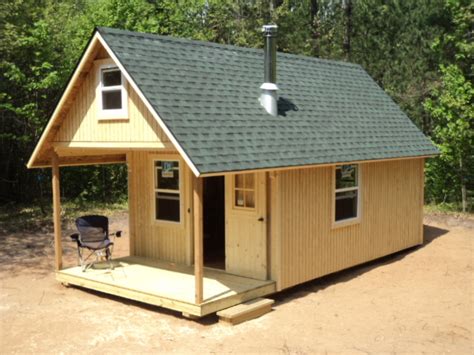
x=168, y=285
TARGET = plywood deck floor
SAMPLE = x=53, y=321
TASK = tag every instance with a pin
x=167, y=285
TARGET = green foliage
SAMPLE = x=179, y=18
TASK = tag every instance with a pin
x=451, y=107
x=400, y=43
x=450, y=177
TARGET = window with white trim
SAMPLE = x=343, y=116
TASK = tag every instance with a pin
x=346, y=193
x=167, y=191
x=112, y=93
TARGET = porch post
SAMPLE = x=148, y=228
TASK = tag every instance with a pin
x=56, y=212
x=198, y=239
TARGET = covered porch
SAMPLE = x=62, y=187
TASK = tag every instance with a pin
x=167, y=285
x=189, y=288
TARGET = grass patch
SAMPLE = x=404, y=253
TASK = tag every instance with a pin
x=28, y=217
x=453, y=209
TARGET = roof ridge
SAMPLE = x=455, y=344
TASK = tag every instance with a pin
x=222, y=46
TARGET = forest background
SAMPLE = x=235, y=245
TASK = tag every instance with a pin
x=420, y=52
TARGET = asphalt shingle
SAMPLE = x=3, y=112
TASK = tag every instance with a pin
x=207, y=95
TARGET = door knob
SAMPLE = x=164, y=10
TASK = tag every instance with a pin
x=261, y=219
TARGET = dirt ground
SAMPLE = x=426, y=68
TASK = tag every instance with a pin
x=417, y=301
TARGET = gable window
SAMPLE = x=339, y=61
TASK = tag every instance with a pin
x=244, y=191
x=167, y=191
x=112, y=93
x=346, y=193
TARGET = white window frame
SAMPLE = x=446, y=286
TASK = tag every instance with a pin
x=352, y=220
x=179, y=192
x=111, y=114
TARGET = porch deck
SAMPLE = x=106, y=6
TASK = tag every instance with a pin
x=167, y=285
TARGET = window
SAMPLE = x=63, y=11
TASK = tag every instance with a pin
x=346, y=192
x=112, y=93
x=167, y=191
x=244, y=191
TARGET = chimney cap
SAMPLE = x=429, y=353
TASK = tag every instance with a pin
x=269, y=30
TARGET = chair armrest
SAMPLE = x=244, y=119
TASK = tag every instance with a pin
x=75, y=237
x=118, y=234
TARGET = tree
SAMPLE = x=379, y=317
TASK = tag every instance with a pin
x=452, y=109
x=451, y=106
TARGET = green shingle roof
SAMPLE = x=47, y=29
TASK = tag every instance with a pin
x=207, y=95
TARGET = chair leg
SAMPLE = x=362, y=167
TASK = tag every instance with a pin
x=80, y=256
x=108, y=257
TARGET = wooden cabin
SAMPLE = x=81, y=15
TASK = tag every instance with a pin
x=249, y=171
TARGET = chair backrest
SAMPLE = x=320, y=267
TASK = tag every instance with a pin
x=93, y=228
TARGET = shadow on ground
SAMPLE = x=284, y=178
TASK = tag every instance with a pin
x=430, y=233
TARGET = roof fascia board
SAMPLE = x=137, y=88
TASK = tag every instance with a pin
x=309, y=166
x=64, y=96
x=149, y=106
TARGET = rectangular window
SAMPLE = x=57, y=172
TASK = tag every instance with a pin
x=346, y=192
x=167, y=191
x=112, y=93
x=244, y=191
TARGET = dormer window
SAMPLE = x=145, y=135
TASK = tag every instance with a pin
x=112, y=93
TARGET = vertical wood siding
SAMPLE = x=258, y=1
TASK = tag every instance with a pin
x=149, y=238
x=391, y=219
x=82, y=125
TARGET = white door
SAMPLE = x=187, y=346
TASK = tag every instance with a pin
x=246, y=225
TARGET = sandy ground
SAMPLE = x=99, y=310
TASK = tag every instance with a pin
x=417, y=301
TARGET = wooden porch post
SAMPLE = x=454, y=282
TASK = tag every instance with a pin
x=56, y=212
x=198, y=239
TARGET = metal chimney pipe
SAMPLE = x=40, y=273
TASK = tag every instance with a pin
x=269, y=97
x=270, y=32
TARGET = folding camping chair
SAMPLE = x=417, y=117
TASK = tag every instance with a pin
x=94, y=236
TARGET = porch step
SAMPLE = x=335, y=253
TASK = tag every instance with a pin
x=245, y=311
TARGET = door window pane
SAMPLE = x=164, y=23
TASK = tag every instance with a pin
x=239, y=181
x=239, y=198
x=249, y=199
x=249, y=181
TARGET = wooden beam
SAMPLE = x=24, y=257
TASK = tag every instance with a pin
x=114, y=145
x=56, y=212
x=198, y=239
x=85, y=160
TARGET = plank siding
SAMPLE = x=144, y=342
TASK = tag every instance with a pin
x=310, y=247
x=81, y=123
x=149, y=238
